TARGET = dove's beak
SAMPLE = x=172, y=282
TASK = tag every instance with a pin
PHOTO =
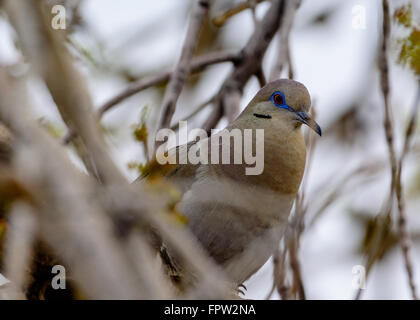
x=305, y=118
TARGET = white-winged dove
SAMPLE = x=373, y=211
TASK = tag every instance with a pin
x=239, y=218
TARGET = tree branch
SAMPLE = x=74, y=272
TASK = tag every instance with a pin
x=197, y=65
x=71, y=223
x=404, y=237
x=283, y=56
x=182, y=68
x=251, y=58
x=220, y=20
x=396, y=187
x=22, y=230
x=49, y=57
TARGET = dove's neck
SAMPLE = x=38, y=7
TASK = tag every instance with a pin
x=284, y=153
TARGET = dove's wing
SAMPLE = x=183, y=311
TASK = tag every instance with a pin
x=181, y=173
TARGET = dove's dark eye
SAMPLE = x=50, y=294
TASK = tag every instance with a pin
x=278, y=99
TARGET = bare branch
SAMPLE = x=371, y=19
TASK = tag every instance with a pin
x=283, y=56
x=196, y=111
x=253, y=4
x=384, y=70
x=279, y=272
x=197, y=64
x=247, y=64
x=182, y=68
x=261, y=77
x=54, y=64
x=396, y=185
x=71, y=223
x=214, y=117
x=220, y=20
x=411, y=125
x=369, y=168
x=292, y=235
x=405, y=241
x=20, y=239
x=251, y=57
x=298, y=288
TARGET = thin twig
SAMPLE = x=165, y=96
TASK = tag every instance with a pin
x=297, y=224
x=379, y=236
x=193, y=113
x=404, y=237
x=221, y=19
x=310, y=142
x=298, y=287
x=250, y=63
x=253, y=4
x=182, y=68
x=292, y=236
x=261, y=77
x=197, y=64
x=396, y=186
x=214, y=117
x=384, y=76
x=19, y=244
x=65, y=83
x=279, y=272
x=371, y=167
x=283, y=56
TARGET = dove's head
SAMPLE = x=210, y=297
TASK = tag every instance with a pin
x=283, y=99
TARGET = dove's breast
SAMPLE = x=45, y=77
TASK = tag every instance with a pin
x=239, y=225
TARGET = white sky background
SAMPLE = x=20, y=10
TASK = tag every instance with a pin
x=333, y=60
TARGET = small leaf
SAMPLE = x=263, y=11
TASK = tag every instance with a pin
x=140, y=133
x=132, y=165
x=140, y=129
x=55, y=130
x=410, y=51
x=403, y=15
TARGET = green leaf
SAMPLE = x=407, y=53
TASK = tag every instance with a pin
x=403, y=15
x=410, y=51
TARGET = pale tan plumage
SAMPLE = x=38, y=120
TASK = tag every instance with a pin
x=238, y=218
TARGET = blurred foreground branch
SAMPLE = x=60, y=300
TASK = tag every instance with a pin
x=99, y=229
x=70, y=222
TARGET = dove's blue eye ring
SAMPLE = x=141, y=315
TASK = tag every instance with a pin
x=279, y=100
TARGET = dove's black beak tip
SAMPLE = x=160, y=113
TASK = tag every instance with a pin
x=305, y=118
x=318, y=130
